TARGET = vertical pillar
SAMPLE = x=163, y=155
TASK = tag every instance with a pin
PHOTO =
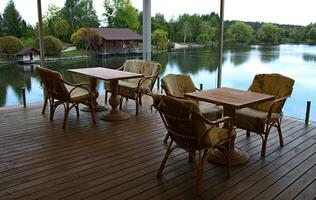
x=147, y=29
x=220, y=46
x=40, y=24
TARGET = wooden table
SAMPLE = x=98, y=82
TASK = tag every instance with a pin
x=231, y=100
x=113, y=76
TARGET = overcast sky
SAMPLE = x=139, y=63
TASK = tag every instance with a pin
x=296, y=12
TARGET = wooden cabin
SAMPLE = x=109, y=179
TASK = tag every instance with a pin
x=118, y=40
x=28, y=55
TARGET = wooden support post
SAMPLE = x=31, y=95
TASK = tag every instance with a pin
x=23, y=97
x=308, y=110
x=201, y=86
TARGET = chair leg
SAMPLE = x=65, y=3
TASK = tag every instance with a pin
x=140, y=100
x=121, y=102
x=199, y=171
x=45, y=104
x=280, y=133
x=66, y=108
x=137, y=104
x=165, y=140
x=191, y=156
x=229, y=159
x=248, y=133
x=53, y=107
x=264, y=144
x=77, y=109
x=163, y=162
x=106, y=97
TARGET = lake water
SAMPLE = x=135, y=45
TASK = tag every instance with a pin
x=239, y=67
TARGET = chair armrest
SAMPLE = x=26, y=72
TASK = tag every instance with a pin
x=228, y=123
x=274, y=102
x=85, y=86
x=120, y=68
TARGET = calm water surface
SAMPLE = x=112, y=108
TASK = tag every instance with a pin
x=239, y=67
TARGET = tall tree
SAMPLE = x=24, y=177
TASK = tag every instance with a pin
x=241, y=32
x=89, y=16
x=52, y=15
x=1, y=25
x=269, y=33
x=121, y=14
x=71, y=13
x=12, y=20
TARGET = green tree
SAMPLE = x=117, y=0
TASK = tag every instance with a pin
x=88, y=18
x=86, y=39
x=296, y=35
x=61, y=29
x=310, y=33
x=10, y=45
x=160, y=39
x=269, y=33
x=159, y=22
x=12, y=20
x=52, y=15
x=53, y=45
x=1, y=26
x=79, y=13
x=121, y=14
x=203, y=38
x=241, y=32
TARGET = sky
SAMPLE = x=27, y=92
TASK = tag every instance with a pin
x=295, y=12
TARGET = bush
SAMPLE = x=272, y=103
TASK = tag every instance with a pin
x=203, y=38
x=52, y=45
x=86, y=39
x=171, y=45
x=10, y=45
x=27, y=42
x=160, y=39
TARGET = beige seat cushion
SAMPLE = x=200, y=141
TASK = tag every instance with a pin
x=210, y=111
x=78, y=94
x=216, y=135
x=128, y=89
x=253, y=120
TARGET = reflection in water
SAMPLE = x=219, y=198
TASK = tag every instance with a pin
x=199, y=63
x=309, y=57
x=239, y=54
x=269, y=53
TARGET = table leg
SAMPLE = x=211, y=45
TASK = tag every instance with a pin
x=114, y=114
x=97, y=106
x=238, y=156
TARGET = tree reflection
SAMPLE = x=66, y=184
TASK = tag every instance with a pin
x=239, y=53
x=309, y=57
x=269, y=53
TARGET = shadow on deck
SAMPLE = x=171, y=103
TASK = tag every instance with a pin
x=119, y=160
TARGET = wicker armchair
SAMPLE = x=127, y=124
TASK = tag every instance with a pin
x=176, y=85
x=58, y=92
x=135, y=88
x=190, y=131
x=262, y=117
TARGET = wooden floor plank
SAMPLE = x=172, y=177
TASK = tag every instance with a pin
x=119, y=160
x=308, y=192
x=302, y=182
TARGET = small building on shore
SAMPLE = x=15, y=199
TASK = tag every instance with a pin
x=28, y=55
x=118, y=40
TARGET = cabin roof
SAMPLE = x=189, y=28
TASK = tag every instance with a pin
x=117, y=34
x=26, y=50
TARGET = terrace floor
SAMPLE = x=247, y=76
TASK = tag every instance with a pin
x=119, y=160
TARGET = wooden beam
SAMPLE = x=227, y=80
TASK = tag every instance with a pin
x=40, y=32
x=147, y=29
x=220, y=45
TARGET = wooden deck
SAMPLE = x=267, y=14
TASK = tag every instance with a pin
x=118, y=160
